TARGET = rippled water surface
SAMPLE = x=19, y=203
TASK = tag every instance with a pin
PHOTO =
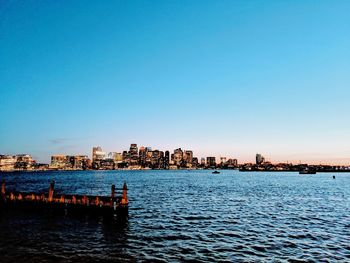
x=187, y=216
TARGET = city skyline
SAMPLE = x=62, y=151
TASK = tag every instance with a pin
x=145, y=158
x=252, y=158
x=223, y=78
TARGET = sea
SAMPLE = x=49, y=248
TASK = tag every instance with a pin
x=186, y=216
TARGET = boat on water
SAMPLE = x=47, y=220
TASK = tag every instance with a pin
x=307, y=171
x=215, y=172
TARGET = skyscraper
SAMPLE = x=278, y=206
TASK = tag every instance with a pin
x=142, y=156
x=178, y=156
x=166, y=160
x=259, y=159
x=222, y=160
x=97, y=154
x=211, y=162
x=134, y=156
x=188, y=156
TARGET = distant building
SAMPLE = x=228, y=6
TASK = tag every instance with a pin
x=211, y=162
x=187, y=158
x=97, y=154
x=118, y=158
x=157, y=159
x=223, y=160
x=126, y=157
x=24, y=162
x=107, y=164
x=231, y=163
x=97, y=157
x=59, y=161
x=149, y=155
x=166, y=161
x=80, y=162
x=133, y=154
x=7, y=162
x=142, y=156
x=115, y=156
x=194, y=162
x=259, y=159
x=178, y=157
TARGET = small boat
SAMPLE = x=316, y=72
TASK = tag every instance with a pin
x=215, y=172
x=307, y=171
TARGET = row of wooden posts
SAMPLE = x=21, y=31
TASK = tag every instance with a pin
x=101, y=201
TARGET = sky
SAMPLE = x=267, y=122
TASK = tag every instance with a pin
x=221, y=78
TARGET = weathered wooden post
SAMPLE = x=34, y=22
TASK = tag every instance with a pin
x=51, y=189
x=84, y=200
x=3, y=190
x=125, y=200
x=97, y=201
x=112, y=195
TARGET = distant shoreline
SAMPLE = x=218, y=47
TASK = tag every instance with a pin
x=189, y=170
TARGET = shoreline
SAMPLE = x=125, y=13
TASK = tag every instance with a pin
x=189, y=170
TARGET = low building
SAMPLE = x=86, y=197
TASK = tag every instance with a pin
x=24, y=162
x=59, y=161
x=7, y=162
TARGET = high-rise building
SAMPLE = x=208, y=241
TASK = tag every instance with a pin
x=178, y=156
x=142, y=156
x=118, y=157
x=166, y=161
x=222, y=160
x=97, y=154
x=187, y=157
x=259, y=159
x=211, y=162
x=157, y=159
x=148, y=156
x=134, y=156
x=194, y=162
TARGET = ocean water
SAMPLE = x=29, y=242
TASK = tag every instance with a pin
x=178, y=216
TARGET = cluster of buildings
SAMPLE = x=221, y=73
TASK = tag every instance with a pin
x=146, y=158
x=69, y=162
x=262, y=165
x=20, y=162
x=138, y=158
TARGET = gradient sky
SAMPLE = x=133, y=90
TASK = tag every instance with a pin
x=223, y=78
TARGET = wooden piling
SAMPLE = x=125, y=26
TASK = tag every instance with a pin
x=51, y=189
x=112, y=195
x=125, y=200
x=3, y=190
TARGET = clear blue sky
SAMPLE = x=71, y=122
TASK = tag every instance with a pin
x=223, y=78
